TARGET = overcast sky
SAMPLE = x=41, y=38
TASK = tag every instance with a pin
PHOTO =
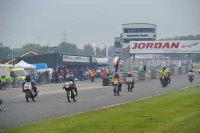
x=88, y=21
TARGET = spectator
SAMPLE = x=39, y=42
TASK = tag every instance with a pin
x=117, y=65
x=32, y=75
x=47, y=76
x=56, y=77
x=92, y=74
x=104, y=73
x=53, y=77
x=145, y=69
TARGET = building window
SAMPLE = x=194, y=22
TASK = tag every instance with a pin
x=139, y=30
x=118, y=44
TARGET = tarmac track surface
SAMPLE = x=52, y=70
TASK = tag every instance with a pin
x=52, y=101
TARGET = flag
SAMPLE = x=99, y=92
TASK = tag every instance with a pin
x=106, y=50
x=94, y=47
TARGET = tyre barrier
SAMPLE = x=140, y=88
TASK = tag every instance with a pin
x=106, y=82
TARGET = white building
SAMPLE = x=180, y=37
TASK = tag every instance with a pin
x=138, y=32
x=134, y=32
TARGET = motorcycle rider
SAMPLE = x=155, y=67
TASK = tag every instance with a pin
x=68, y=78
x=191, y=72
x=164, y=72
x=129, y=74
x=28, y=79
x=116, y=76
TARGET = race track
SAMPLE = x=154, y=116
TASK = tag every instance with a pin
x=52, y=101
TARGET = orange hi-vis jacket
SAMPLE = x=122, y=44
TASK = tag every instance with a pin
x=104, y=73
x=92, y=73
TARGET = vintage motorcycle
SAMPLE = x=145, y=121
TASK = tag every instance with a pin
x=129, y=81
x=70, y=91
x=1, y=101
x=116, y=87
x=164, y=81
x=29, y=91
x=191, y=76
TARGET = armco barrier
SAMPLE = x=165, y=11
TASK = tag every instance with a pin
x=179, y=70
x=176, y=71
x=135, y=75
x=148, y=75
x=172, y=71
x=183, y=69
x=141, y=75
x=157, y=74
x=186, y=69
x=153, y=73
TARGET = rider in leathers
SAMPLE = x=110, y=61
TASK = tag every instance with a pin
x=129, y=74
x=28, y=79
x=164, y=72
x=68, y=78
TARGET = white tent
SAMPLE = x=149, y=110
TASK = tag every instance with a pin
x=25, y=65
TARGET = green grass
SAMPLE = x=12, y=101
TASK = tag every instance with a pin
x=197, y=65
x=174, y=112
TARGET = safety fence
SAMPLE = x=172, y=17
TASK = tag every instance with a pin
x=138, y=64
x=149, y=74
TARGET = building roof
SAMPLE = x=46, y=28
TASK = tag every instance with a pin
x=3, y=61
x=34, y=52
x=138, y=23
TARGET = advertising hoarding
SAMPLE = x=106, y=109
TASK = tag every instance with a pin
x=190, y=46
x=67, y=58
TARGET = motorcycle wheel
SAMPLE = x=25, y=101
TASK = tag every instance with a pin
x=115, y=90
x=74, y=96
x=130, y=88
x=27, y=95
x=69, y=96
x=0, y=107
x=33, y=98
x=190, y=79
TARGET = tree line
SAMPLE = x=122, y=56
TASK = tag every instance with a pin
x=64, y=47
x=195, y=57
x=70, y=48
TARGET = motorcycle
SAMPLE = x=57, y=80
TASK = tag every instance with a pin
x=116, y=87
x=191, y=76
x=1, y=101
x=164, y=81
x=70, y=90
x=129, y=82
x=29, y=91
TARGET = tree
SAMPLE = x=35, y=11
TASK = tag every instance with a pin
x=5, y=52
x=89, y=50
x=99, y=52
x=67, y=48
x=111, y=51
x=29, y=47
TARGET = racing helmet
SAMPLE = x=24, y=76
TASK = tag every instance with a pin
x=129, y=73
x=28, y=78
x=67, y=77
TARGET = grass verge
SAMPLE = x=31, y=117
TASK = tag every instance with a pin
x=174, y=112
x=197, y=65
